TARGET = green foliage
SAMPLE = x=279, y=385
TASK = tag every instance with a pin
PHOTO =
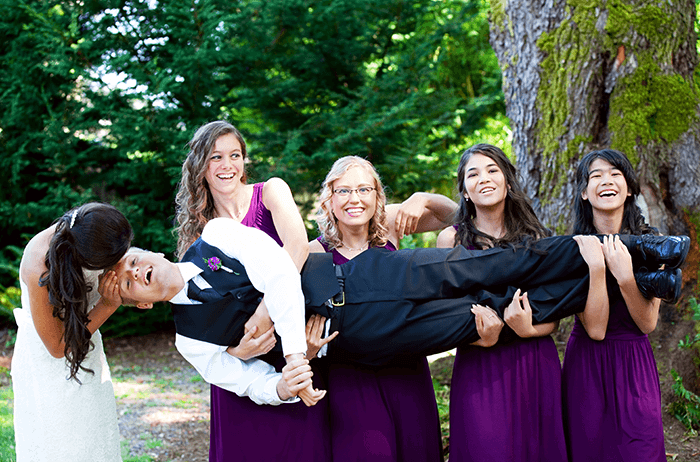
x=442, y=397
x=687, y=407
x=130, y=321
x=9, y=300
x=100, y=98
x=689, y=342
x=417, y=241
x=694, y=308
x=11, y=338
x=7, y=430
x=10, y=296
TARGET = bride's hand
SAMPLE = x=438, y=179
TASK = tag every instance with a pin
x=108, y=288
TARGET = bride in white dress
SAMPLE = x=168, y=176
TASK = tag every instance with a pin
x=64, y=406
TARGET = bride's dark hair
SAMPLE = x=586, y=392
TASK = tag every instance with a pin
x=93, y=236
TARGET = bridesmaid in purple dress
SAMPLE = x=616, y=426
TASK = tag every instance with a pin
x=612, y=398
x=383, y=413
x=505, y=400
x=214, y=185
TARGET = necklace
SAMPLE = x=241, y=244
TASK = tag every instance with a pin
x=364, y=246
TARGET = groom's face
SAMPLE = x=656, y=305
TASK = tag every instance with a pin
x=143, y=277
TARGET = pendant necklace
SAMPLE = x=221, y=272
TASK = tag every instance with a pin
x=364, y=246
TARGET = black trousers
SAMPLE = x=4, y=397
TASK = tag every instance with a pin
x=412, y=303
x=418, y=302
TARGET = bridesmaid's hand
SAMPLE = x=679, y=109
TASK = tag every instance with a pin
x=519, y=316
x=314, y=332
x=618, y=259
x=310, y=395
x=409, y=215
x=488, y=325
x=592, y=251
x=250, y=347
x=260, y=319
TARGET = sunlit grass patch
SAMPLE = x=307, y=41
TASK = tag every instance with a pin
x=127, y=457
x=7, y=430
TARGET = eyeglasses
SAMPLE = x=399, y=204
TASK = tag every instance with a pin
x=344, y=192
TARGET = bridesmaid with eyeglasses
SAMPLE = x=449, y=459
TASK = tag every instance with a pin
x=384, y=413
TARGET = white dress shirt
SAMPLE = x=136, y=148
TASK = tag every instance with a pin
x=272, y=272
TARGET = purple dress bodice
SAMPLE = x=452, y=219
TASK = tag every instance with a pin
x=621, y=326
x=338, y=258
x=259, y=217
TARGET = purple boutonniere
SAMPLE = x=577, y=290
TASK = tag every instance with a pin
x=214, y=263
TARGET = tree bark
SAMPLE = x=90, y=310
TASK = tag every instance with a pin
x=580, y=76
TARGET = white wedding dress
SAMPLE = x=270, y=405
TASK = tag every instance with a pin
x=57, y=419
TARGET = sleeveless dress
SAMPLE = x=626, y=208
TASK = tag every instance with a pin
x=505, y=403
x=242, y=430
x=57, y=419
x=611, y=392
x=382, y=413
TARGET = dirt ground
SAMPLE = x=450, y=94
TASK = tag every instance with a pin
x=163, y=404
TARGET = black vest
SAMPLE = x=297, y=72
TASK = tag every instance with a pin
x=220, y=322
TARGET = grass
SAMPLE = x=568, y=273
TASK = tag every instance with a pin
x=442, y=396
x=441, y=372
x=7, y=430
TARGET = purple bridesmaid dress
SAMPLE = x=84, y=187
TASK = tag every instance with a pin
x=386, y=414
x=611, y=392
x=505, y=403
x=244, y=431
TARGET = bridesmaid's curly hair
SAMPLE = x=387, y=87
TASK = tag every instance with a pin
x=194, y=202
x=520, y=219
x=328, y=222
x=93, y=236
x=632, y=219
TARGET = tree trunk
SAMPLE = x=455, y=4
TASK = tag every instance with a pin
x=579, y=76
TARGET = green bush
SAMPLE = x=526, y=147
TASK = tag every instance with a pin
x=128, y=321
x=687, y=407
x=9, y=300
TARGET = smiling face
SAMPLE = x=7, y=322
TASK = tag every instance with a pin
x=145, y=278
x=484, y=182
x=607, y=188
x=354, y=209
x=226, y=168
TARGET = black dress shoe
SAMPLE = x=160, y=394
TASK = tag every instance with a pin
x=663, y=284
x=662, y=250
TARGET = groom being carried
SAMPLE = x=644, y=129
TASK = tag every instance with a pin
x=384, y=304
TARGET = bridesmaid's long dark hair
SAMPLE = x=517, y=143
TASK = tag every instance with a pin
x=632, y=219
x=520, y=219
x=93, y=236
